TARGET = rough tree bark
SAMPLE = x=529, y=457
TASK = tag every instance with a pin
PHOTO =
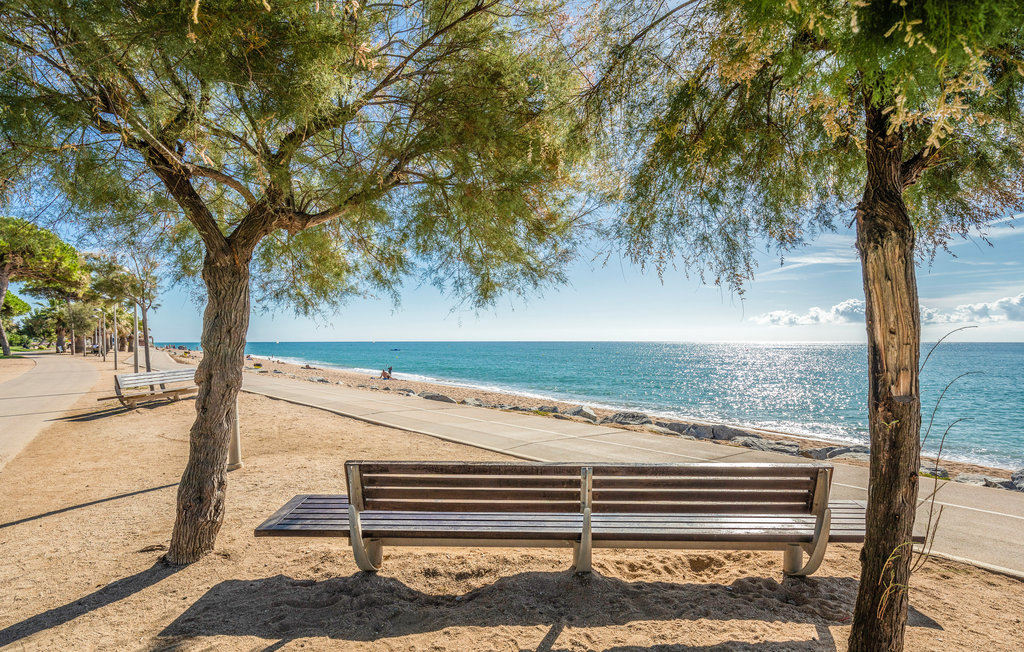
x=885, y=240
x=201, y=492
x=4, y=344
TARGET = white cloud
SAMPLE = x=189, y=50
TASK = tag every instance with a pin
x=1005, y=309
x=846, y=312
x=852, y=310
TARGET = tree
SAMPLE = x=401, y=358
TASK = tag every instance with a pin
x=112, y=286
x=735, y=122
x=56, y=293
x=333, y=148
x=45, y=324
x=11, y=307
x=29, y=253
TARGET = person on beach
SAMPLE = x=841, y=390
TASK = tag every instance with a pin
x=386, y=374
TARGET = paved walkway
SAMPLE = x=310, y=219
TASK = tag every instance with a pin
x=30, y=401
x=978, y=524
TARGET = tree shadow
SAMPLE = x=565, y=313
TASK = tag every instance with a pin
x=108, y=412
x=98, y=599
x=365, y=607
x=88, y=504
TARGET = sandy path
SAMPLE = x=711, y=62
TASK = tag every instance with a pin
x=89, y=504
x=30, y=401
x=11, y=368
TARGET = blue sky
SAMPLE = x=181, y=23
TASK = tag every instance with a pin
x=815, y=296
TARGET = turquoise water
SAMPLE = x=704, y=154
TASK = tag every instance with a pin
x=810, y=389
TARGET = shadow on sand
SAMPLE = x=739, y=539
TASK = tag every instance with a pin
x=88, y=504
x=98, y=599
x=366, y=607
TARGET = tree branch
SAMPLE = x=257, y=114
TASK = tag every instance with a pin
x=912, y=169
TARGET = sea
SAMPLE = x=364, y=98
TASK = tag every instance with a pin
x=815, y=390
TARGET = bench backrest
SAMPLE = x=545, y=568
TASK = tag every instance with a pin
x=144, y=379
x=718, y=488
x=565, y=488
x=464, y=486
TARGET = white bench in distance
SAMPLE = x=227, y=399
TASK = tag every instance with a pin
x=132, y=389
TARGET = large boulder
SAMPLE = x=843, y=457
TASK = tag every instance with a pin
x=933, y=469
x=662, y=431
x=550, y=409
x=726, y=433
x=434, y=396
x=828, y=452
x=863, y=457
x=584, y=412
x=475, y=402
x=768, y=445
x=691, y=430
x=628, y=419
x=980, y=480
x=1018, y=479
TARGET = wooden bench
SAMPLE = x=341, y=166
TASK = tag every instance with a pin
x=132, y=389
x=583, y=506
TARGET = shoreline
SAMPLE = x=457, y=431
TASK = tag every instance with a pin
x=730, y=435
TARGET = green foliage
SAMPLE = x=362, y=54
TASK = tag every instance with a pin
x=733, y=121
x=30, y=253
x=110, y=283
x=371, y=142
x=13, y=306
x=41, y=324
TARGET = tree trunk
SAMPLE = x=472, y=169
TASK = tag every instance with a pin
x=135, y=336
x=71, y=327
x=117, y=343
x=885, y=240
x=145, y=334
x=60, y=339
x=4, y=282
x=201, y=491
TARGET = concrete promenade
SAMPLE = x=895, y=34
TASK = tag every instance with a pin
x=40, y=395
x=981, y=525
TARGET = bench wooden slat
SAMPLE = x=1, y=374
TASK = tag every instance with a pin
x=707, y=470
x=475, y=505
x=497, y=481
x=469, y=468
x=700, y=508
x=698, y=495
x=510, y=494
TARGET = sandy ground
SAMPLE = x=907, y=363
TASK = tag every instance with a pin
x=88, y=506
x=13, y=367
x=370, y=383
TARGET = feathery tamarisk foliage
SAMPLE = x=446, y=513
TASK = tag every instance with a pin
x=734, y=122
x=311, y=150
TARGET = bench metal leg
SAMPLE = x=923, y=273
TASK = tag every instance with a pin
x=581, y=552
x=368, y=554
x=793, y=557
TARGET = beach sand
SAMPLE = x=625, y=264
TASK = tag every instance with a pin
x=355, y=379
x=88, y=507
